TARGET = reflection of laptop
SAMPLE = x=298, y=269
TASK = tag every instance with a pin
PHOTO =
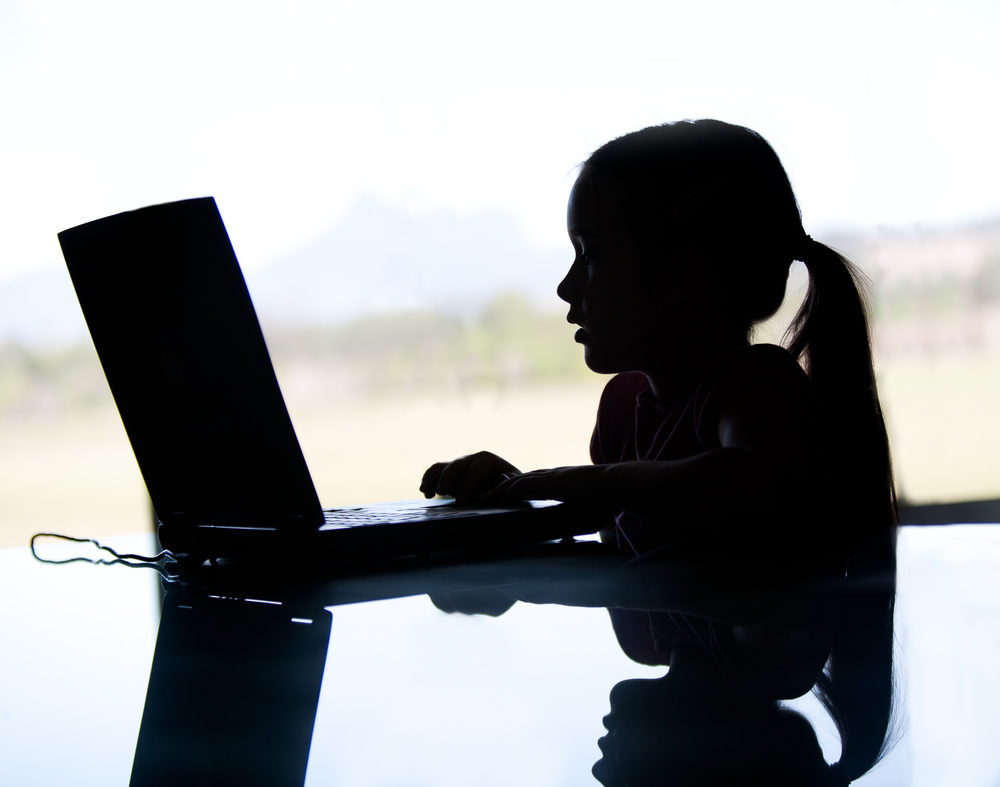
x=185, y=358
x=233, y=691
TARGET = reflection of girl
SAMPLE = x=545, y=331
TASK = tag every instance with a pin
x=686, y=729
x=708, y=446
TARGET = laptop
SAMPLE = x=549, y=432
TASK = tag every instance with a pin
x=177, y=335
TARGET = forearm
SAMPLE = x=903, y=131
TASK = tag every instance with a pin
x=728, y=488
x=715, y=485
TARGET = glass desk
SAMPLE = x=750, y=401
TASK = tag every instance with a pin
x=410, y=695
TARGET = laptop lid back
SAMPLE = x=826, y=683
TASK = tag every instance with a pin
x=183, y=353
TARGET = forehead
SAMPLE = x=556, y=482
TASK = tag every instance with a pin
x=594, y=207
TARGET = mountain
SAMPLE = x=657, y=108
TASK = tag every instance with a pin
x=383, y=258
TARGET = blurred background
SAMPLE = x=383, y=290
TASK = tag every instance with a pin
x=394, y=179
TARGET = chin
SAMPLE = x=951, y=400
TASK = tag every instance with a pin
x=597, y=367
x=600, y=362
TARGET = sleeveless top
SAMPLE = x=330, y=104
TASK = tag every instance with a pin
x=632, y=425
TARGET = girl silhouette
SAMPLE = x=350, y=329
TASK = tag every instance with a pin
x=773, y=460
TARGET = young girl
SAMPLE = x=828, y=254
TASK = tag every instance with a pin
x=706, y=444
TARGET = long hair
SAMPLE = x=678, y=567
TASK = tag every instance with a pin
x=722, y=188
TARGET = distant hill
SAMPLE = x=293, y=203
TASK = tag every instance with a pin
x=381, y=258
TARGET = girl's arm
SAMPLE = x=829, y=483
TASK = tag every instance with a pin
x=719, y=482
x=764, y=465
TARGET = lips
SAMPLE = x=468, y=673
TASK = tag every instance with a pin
x=603, y=770
x=574, y=319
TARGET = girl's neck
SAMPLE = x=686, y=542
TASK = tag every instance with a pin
x=683, y=372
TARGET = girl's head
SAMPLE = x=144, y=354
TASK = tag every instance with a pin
x=698, y=730
x=700, y=224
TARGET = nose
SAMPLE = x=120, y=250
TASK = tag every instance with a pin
x=568, y=286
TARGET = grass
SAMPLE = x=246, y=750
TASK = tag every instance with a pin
x=944, y=421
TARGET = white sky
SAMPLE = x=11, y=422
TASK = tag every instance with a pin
x=884, y=112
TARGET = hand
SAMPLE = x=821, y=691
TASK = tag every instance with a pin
x=483, y=601
x=467, y=477
x=577, y=484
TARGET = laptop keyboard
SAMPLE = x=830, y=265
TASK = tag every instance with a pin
x=353, y=517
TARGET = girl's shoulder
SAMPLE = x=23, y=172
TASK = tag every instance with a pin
x=768, y=364
x=624, y=388
x=762, y=373
x=615, y=426
x=759, y=369
x=622, y=395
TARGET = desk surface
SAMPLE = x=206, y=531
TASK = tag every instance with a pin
x=411, y=695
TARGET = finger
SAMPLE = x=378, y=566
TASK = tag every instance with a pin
x=443, y=602
x=431, y=479
x=450, y=480
x=468, y=477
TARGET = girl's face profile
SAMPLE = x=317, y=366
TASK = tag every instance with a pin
x=620, y=300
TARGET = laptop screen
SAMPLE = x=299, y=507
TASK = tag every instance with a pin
x=183, y=353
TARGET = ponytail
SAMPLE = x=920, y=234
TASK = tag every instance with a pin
x=830, y=335
x=831, y=326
